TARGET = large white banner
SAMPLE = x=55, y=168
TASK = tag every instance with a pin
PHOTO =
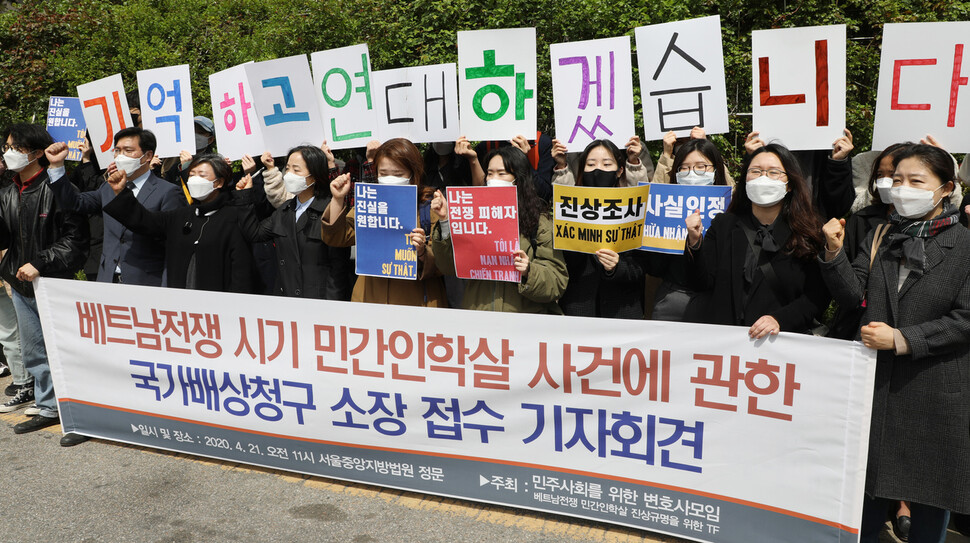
x=237, y=128
x=923, y=85
x=592, y=90
x=166, y=108
x=106, y=112
x=419, y=103
x=342, y=85
x=287, y=110
x=798, y=89
x=690, y=430
x=497, y=83
x=682, y=77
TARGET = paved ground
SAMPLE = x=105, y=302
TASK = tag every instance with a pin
x=104, y=491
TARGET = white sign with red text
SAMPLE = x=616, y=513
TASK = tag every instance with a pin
x=106, y=113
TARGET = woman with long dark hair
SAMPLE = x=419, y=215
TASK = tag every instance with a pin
x=756, y=266
x=542, y=269
x=607, y=283
x=915, y=285
x=398, y=162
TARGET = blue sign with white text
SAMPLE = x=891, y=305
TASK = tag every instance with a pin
x=65, y=123
x=384, y=216
x=664, y=230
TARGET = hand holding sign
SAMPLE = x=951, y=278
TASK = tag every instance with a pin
x=245, y=183
x=440, y=206
x=331, y=162
x=764, y=326
x=752, y=142
x=56, y=154
x=695, y=228
x=85, y=151
x=464, y=148
x=521, y=263
x=633, y=149
x=930, y=140
x=522, y=143
x=559, y=154
x=248, y=164
x=185, y=158
x=608, y=259
x=670, y=138
x=842, y=146
x=418, y=241
x=267, y=159
x=371, y=150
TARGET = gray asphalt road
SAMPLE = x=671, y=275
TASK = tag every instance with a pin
x=104, y=491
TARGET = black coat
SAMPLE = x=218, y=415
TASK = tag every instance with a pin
x=306, y=266
x=716, y=272
x=919, y=439
x=592, y=292
x=215, y=242
x=35, y=230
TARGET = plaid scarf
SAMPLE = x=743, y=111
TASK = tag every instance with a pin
x=906, y=236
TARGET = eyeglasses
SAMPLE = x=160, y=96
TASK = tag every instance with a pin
x=124, y=152
x=698, y=169
x=772, y=173
x=7, y=147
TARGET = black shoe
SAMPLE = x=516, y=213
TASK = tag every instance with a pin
x=71, y=439
x=901, y=527
x=23, y=398
x=4, y=371
x=34, y=424
x=13, y=389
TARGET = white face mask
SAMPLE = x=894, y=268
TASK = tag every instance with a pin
x=883, y=184
x=913, y=203
x=392, y=180
x=15, y=160
x=199, y=187
x=499, y=183
x=129, y=165
x=443, y=148
x=691, y=178
x=295, y=184
x=765, y=191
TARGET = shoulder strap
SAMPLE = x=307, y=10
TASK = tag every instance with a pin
x=877, y=241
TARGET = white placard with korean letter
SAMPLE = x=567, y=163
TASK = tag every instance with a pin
x=682, y=77
x=166, y=108
x=105, y=112
x=798, y=89
x=592, y=91
x=237, y=129
x=283, y=96
x=923, y=85
x=342, y=85
x=497, y=83
x=419, y=103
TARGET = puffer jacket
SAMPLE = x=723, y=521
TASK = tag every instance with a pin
x=33, y=229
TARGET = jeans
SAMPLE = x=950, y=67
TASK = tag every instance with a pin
x=10, y=339
x=928, y=522
x=35, y=353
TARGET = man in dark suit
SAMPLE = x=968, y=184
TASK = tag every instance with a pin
x=126, y=257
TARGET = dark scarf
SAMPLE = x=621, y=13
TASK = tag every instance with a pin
x=764, y=240
x=906, y=236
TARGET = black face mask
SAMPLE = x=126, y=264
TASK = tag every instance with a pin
x=599, y=178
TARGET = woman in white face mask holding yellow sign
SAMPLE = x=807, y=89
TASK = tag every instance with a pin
x=755, y=266
x=205, y=248
x=914, y=283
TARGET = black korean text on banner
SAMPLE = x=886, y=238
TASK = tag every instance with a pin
x=799, y=85
x=923, y=85
x=682, y=77
x=592, y=90
x=342, y=84
x=497, y=83
x=419, y=103
x=105, y=112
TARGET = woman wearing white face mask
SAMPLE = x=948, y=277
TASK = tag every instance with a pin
x=916, y=290
x=696, y=162
x=398, y=162
x=205, y=246
x=755, y=266
x=306, y=266
x=541, y=267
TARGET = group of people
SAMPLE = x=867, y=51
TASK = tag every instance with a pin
x=773, y=261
